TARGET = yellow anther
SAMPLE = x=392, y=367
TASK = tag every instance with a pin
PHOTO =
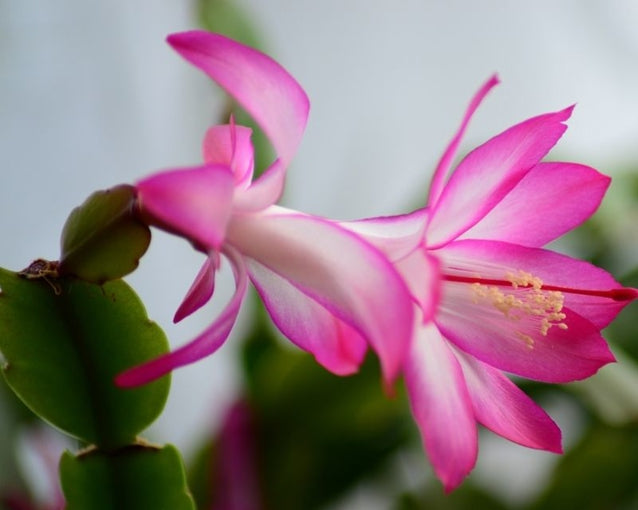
x=526, y=338
x=524, y=279
x=526, y=298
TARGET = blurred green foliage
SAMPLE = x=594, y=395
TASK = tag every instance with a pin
x=227, y=17
x=623, y=331
x=466, y=497
x=14, y=417
x=316, y=435
x=601, y=472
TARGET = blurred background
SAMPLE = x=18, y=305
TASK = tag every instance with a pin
x=91, y=96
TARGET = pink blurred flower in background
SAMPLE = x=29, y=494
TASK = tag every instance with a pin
x=505, y=303
x=235, y=479
x=328, y=291
x=41, y=449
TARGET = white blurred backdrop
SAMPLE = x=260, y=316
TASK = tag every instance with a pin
x=91, y=96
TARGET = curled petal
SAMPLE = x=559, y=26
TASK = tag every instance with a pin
x=231, y=146
x=395, y=236
x=258, y=83
x=335, y=345
x=262, y=193
x=490, y=172
x=443, y=168
x=441, y=407
x=504, y=409
x=195, y=203
x=204, y=345
x=550, y=200
x=332, y=266
x=201, y=290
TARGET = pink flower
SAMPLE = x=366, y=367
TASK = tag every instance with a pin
x=235, y=480
x=328, y=291
x=489, y=299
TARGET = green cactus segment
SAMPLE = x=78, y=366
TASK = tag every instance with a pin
x=63, y=341
x=103, y=239
x=135, y=477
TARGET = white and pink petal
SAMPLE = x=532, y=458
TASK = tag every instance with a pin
x=422, y=274
x=519, y=347
x=445, y=163
x=335, y=345
x=195, y=203
x=231, y=145
x=488, y=173
x=441, y=406
x=205, y=344
x=201, y=290
x=256, y=81
x=527, y=328
x=505, y=409
x=396, y=236
x=263, y=192
x=550, y=200
x=588, y=290
x=338, y=270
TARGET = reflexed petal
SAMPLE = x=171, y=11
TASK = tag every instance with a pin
x=201, y=290
x=264, y=192
x=335, y=345
x=338, y=270
x=258, y=83
x=504, y=409
x=493, y=259
x=441, y=407
x=550, y=200
x=490, y=172
x=443, y=168
x=194, y=203
x=396, y=236
x=204, y=345
x=230, y=145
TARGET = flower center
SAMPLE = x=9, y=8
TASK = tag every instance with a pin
x=527, y=298
x=521, y=295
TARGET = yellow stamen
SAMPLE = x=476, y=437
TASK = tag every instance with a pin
x=526, y=338
x=527, y=299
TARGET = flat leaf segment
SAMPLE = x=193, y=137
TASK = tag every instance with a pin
x=64, y=343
